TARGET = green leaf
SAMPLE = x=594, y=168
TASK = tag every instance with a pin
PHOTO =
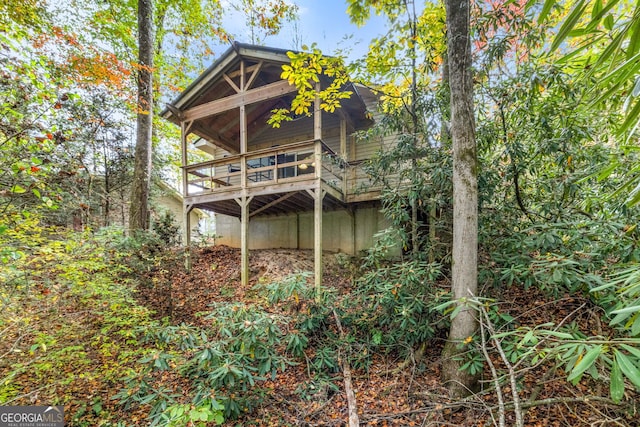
x=631, y=119
x=597, y=8
x=608, y=22
x=616, y=384
x=18, y=189
x=546, y=8
x=626, y=310
x=618, y=319
x=568, y=24
x=636, y=88
x=635, y=328
x=632, y=350
x=584, y=364
x=219, y=419
x=629, y=370
x=561, y=335
x=634, y=37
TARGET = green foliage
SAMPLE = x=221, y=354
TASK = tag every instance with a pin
x=620, y=295
x=613, y=359
x=264, y=16
x=473, y=362
x=186, y=414
x=317, y=388
x=221, y=364
x=65, y=307
x=397, y=304
x=167, y=229
x=290, y=290
x=315, y=76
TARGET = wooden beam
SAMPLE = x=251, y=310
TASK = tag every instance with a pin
x=205, y=80
x=175, y=111
x=271, y=204
x=206, y=146
x=215, y=138
x=344, y=115
x=231, y=83
x=187, y=128
x=254, y=74
x=248, y=69
x=336, y=194
x=243, y=77
x=273, y=90
x=250, y=110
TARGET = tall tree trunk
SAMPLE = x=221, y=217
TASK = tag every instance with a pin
x=139, y=207
x=465, y=198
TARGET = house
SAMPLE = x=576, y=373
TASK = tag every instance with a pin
x=297, y=186
x=166, y=199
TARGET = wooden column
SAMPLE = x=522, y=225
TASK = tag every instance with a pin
x=186, y=209
x=245, y=200
x=343, y=137
x=244, y=238
x=318, y=195
x=186, y=223
x=343, y=154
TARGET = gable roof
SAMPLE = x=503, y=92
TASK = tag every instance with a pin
x=227, y=61
x=222, y=79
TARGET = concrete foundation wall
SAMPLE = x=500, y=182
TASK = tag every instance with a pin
x=341, y=231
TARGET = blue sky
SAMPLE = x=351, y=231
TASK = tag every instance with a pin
x=326, y=23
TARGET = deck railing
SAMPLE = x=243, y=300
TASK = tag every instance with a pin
x=274, y=165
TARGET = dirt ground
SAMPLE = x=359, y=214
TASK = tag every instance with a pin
x=385, y=395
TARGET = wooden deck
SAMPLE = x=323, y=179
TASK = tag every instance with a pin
x=277, y=179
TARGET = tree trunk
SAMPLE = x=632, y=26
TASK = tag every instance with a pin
x=139, y=210
x=465, y=198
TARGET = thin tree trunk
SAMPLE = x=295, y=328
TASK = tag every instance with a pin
x=140, y=187
x=354, y=420
x=465, y=199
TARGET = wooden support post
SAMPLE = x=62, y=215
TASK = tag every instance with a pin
x=343, y=138
x=244, y=238
x=317, y=115
x=243, y=148
x=183, y=150
x=318, y=195
x=343, y=154
x=187, y=236
x=244, y=241
x=317, y=241
x=186, y=209
x=245, y=200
